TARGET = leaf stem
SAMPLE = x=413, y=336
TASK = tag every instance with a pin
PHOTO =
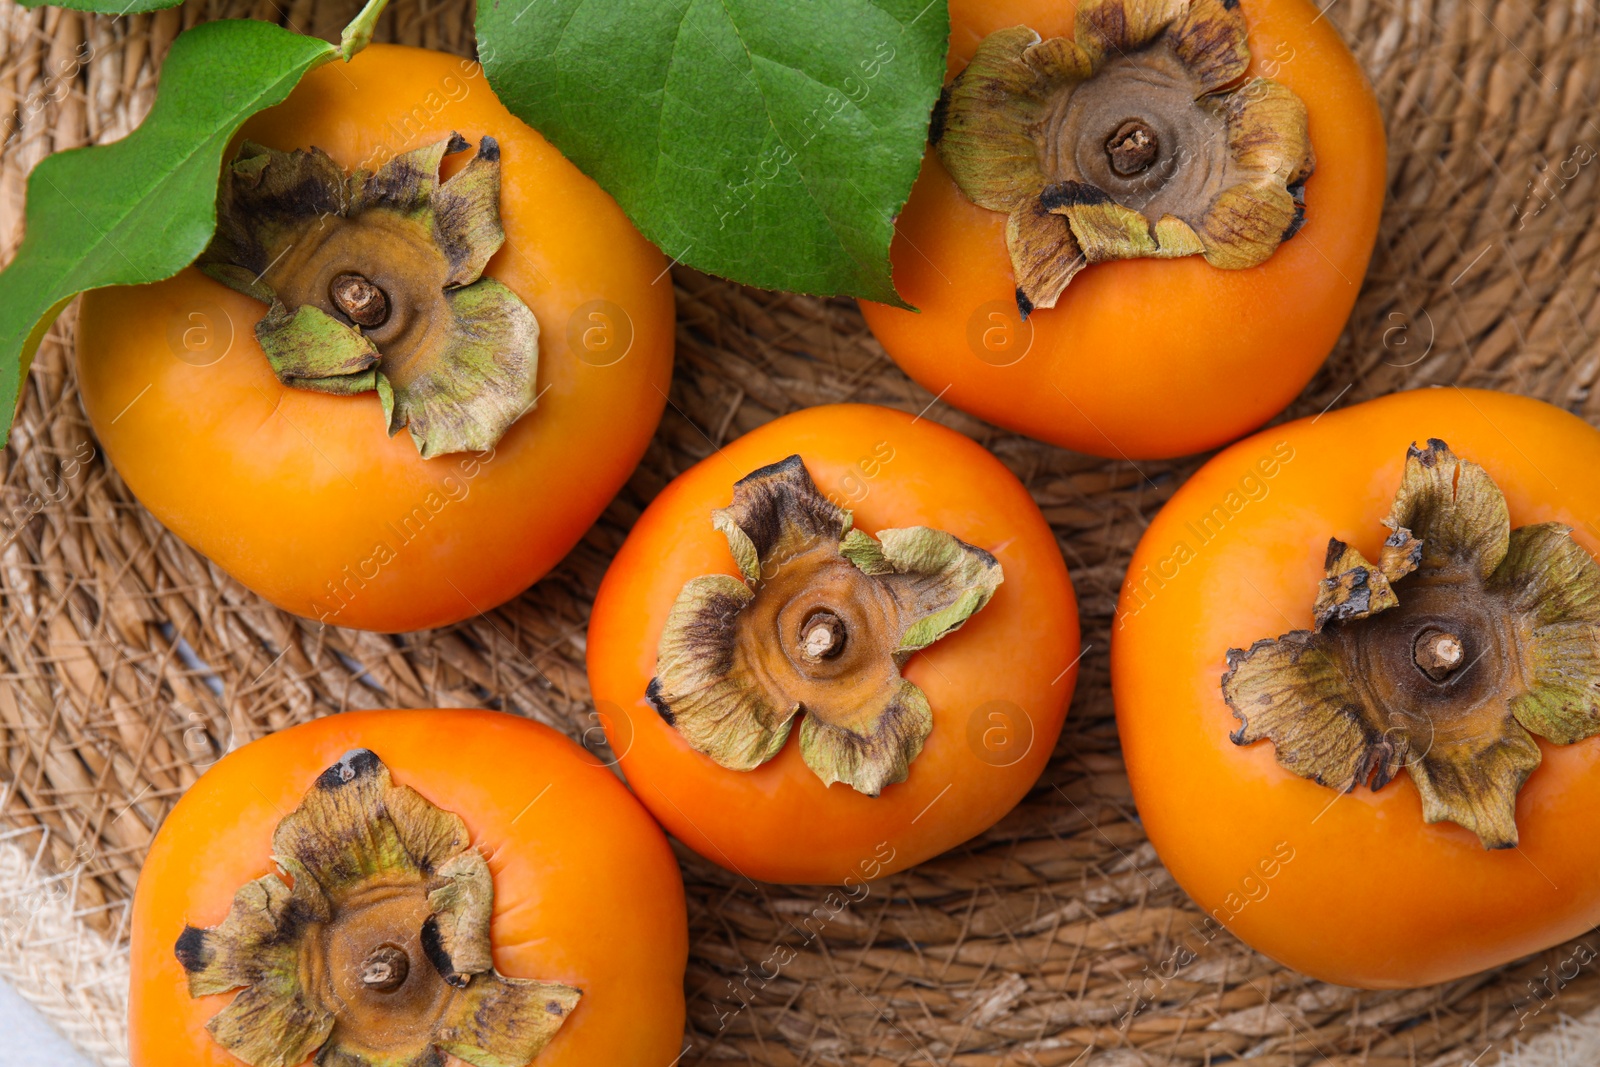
x=358, y=34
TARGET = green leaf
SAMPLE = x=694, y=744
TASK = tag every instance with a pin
x=142, y=209
x=106, y=7
x=768, y=141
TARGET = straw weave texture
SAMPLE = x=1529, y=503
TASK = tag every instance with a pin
x=127, y=661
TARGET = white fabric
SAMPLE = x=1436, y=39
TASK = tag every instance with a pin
x=29, y=1040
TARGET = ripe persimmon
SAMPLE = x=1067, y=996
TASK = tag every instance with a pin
x=1355, y=666
x=840, y=645
x=506, y=314
x=354, y=890
x=1141, y=225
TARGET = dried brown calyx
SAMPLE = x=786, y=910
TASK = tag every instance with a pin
x=374, y=281
x=376, y=951
x=1138, y=136
x=1445, y=657
x=821, y=623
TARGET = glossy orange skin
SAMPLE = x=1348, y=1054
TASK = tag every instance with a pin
x=1371, y=896
x=1143, y=358
x=292, y=491
x=779, y=823
x=586, y=889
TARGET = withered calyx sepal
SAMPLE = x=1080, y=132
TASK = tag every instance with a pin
x=374, y=281
x=820, y=623
x=1136, y=137
x=1444, y=658
x=375, y=952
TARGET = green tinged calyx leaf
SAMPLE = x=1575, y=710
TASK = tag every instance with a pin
x=1136, y=137
x=1444, y=658
x=376, y=951
x=373, y=281
x=820, y=625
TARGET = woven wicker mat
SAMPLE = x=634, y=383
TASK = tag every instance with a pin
x=128, y=661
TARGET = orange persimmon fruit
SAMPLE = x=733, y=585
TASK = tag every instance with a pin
x=1137, y=357
x=840, y=645
x=555, y=925
x=1398, y=599
x=301, y=493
